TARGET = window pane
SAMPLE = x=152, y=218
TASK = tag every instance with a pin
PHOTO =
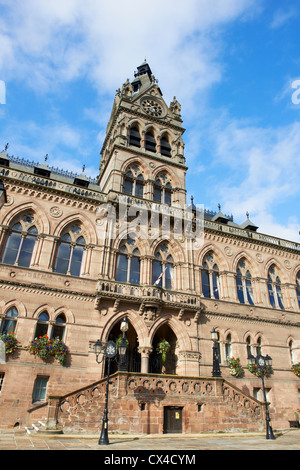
x=134, y=270
x=157, y=194
x=26, y=251
x=215, y=284
x=40, y=387
x=249, y=292
x=240, y=292
x=63, y=256
x=271, y=295
x=58, y=331
x=9, y=326
x=168, y=197
x=11, y=249
x=76, y=260
x=205, y=283
x=122, y=265
x=156, y=272
x=128, y=186
x=169, y=277
x=279, y=297
x=139, y=189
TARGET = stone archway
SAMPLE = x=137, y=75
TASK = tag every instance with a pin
x=133, y=356
x=155, y=360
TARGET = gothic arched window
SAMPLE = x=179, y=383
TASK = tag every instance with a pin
x=150, y=142
x=56, y=331
x=210, y=277
x=165, y=147
x=134, y=182
x=163, y=268
x=162, y=191
x=274, y=288
x=134, y=137
x=228, y=348
x=21, y=242
x=298, y=287
x=70, y=252
x=244, y=283
x=128, y=263
x=10, y=321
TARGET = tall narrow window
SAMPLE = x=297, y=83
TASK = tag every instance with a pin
x=10, y=321
x=291, y=350
x=134, y=182
x=128, y=263
x=298, y=288
x=70, y=252
x=248, y=346
x=244, y=283
x=274, y=288
x=42, y=325
x=134, y=137
x=58, y=329
x=163, y=268
x=40, y=388
x=228, y=349
x=162, y=191
x=210, y=277
x=258, y=347
x=165, y=147
x=150, y=142
x=21, y=242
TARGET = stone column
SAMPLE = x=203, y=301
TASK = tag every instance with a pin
x=145, y=352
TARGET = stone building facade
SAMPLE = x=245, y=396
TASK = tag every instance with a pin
x=78, y=255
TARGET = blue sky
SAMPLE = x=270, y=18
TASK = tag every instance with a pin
x=230, y=63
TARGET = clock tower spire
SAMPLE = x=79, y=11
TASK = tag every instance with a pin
x=143, y=151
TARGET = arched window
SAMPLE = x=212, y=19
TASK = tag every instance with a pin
x=165, y=147
x=10, y=321
x=244, y=283
x=210, y=277
x=248, y=346
x=128, y=263
x=274, y=288
x=228, y=348
x=291, y=351
x=70, y=252
x=258, y=350
x=298, y=288
x=58, y=329
x=43, y=324
x=163, y=268
x=162, y=191
x=134, y=182
x=21, y=242
x=150, y=142
x=134, y=137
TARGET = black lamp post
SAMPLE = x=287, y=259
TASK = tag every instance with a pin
x=109, y=353
x=262, y=362
x=216, y=372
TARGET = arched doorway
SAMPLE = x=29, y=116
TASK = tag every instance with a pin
x=164, y=332
x=133, y=356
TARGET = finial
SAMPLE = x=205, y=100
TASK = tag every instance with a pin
x=83, y=168
x=192, y=199
x=46, y=157
x=6, y=146
x=247, y=214
x=219, y=207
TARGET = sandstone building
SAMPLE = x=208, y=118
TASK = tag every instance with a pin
x=73, y=266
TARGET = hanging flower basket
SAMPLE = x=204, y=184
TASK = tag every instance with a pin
x=10, y=341
x=255, y=370
x=45, y=348
x=235, y=367
x=296, y=369
x=162, y=348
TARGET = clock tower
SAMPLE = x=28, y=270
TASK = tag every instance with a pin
x=143, y=151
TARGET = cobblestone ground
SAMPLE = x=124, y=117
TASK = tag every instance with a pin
x=151, y=445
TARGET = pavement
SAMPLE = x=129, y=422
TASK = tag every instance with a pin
x=179, y=449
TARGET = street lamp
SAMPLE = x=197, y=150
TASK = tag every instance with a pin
x=109, y=352
x=216, y=372
x=3, y=198
x=262, y=362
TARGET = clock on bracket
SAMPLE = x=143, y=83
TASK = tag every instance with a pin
x=152, y=107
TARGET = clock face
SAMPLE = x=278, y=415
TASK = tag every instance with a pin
x=152, y=107
x=110, y=349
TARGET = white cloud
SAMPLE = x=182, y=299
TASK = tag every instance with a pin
x=282, y=16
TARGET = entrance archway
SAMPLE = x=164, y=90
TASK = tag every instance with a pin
x=132, y=354
x=155, y=360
